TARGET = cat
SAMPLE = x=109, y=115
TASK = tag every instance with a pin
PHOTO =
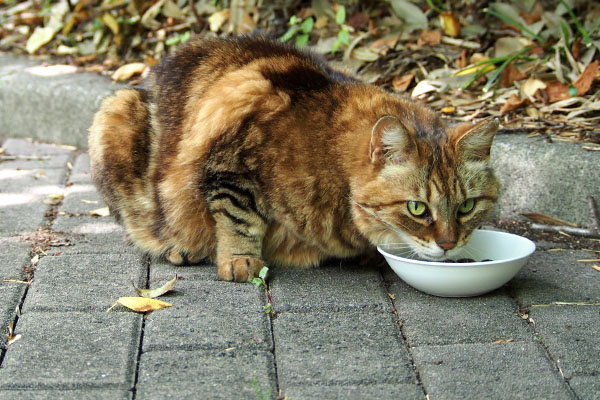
x=246, y=151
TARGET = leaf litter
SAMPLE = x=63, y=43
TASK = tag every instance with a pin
x=533, y=63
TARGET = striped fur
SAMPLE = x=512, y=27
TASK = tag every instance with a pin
x=245, y=151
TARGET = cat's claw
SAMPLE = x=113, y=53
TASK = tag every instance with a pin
x=239, y=269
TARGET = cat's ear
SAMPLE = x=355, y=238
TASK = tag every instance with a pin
x=475, y=141
x=390, y=141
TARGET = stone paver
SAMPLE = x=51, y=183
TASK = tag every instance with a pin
x=79, y=394
x=491, y=371
x=72, y=350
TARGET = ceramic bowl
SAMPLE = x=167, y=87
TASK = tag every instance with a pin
x=508, y=253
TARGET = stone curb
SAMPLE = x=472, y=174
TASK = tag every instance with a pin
x=550, y=178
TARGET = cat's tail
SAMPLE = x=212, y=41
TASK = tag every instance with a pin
x=120, y=146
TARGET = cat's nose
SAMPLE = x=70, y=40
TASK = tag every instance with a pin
x=447, y=245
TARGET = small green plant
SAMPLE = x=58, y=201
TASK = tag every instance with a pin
x=343, y=37
x=259, y=394
x=178, y=38
x=260, y=281
x=300, y=27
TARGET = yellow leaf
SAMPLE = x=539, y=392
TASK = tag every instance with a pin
x=485, y=68
x=54, y=198
x=127, y=71
x=152, y=293
x=450, y=24
x=141, y=304
x=216, y=20
x=100, y=212
x=448, y=110
x=111, y=22
x=531, y=85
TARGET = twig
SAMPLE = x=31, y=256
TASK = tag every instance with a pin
x=594, y=211
x=198, y=17
x=592, y=233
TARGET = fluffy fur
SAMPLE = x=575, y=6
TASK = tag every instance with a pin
x=246, y=151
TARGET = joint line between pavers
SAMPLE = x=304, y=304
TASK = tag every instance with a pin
x=138, y=358
x=400, y=326
x=36, y=251
x=273, y=350
x=538, y=339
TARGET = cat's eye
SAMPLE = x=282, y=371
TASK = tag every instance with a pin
x=466, y=206
x=417, y=208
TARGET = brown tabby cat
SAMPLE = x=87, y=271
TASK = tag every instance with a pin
x=247, y=151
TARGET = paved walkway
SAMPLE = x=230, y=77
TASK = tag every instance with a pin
x=340, y=331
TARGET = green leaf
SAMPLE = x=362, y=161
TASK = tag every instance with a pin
x=565, y=32
x=336, y=46
x=267, y=308
x=173, y=40
x=257, y=281
x=302, y=39
x=263, y=273
x=185, y=36
x=340, y=15
x=307, y=25
x=572, y=91
x=293, y=20
x=290, y=33
x=344, y=37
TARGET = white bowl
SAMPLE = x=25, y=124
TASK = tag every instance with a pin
x=509, y=254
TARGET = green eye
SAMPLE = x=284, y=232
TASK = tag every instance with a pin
x=417, y=208
x=466, y=206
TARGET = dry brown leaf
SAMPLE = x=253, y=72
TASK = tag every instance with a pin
x=382, y=45
x=462, y=60
x=585, y=80
x=556, y=91
x=141, y=304
x=511, y=74
x=429, y=37
x=99, y=212
x=152, y=293
x=547, y=220
x=449, y=24
x=127, y=71
x=514, y=102
x=503, y=341
x=535, y=15
x=401, y=83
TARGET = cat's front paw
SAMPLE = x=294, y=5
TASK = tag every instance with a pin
x=239, y=269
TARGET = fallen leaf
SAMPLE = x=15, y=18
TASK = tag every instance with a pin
x=596, y=267
x=401, y=83
x=218, y=19
x=547, y=219
x=511, y=74
x=152, y=293
x=99, y=212
x=514, y=102
x=127, y=71
x=534, y=15
x=462, y=61
x=585, y=80
x=557, y=91
x=531, y=86
x=449, y=24
x=54, y=199
x=382, y=45
x=111, y=22
x=141, y=304
x=429, y=37
x=412, y=15
x=448, y=110
x=503, y=341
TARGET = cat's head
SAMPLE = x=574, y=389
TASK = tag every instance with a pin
x=429, y=186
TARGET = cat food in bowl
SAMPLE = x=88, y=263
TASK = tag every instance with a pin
x=508, y=254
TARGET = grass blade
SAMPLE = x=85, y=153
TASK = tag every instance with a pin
x=510, y=21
